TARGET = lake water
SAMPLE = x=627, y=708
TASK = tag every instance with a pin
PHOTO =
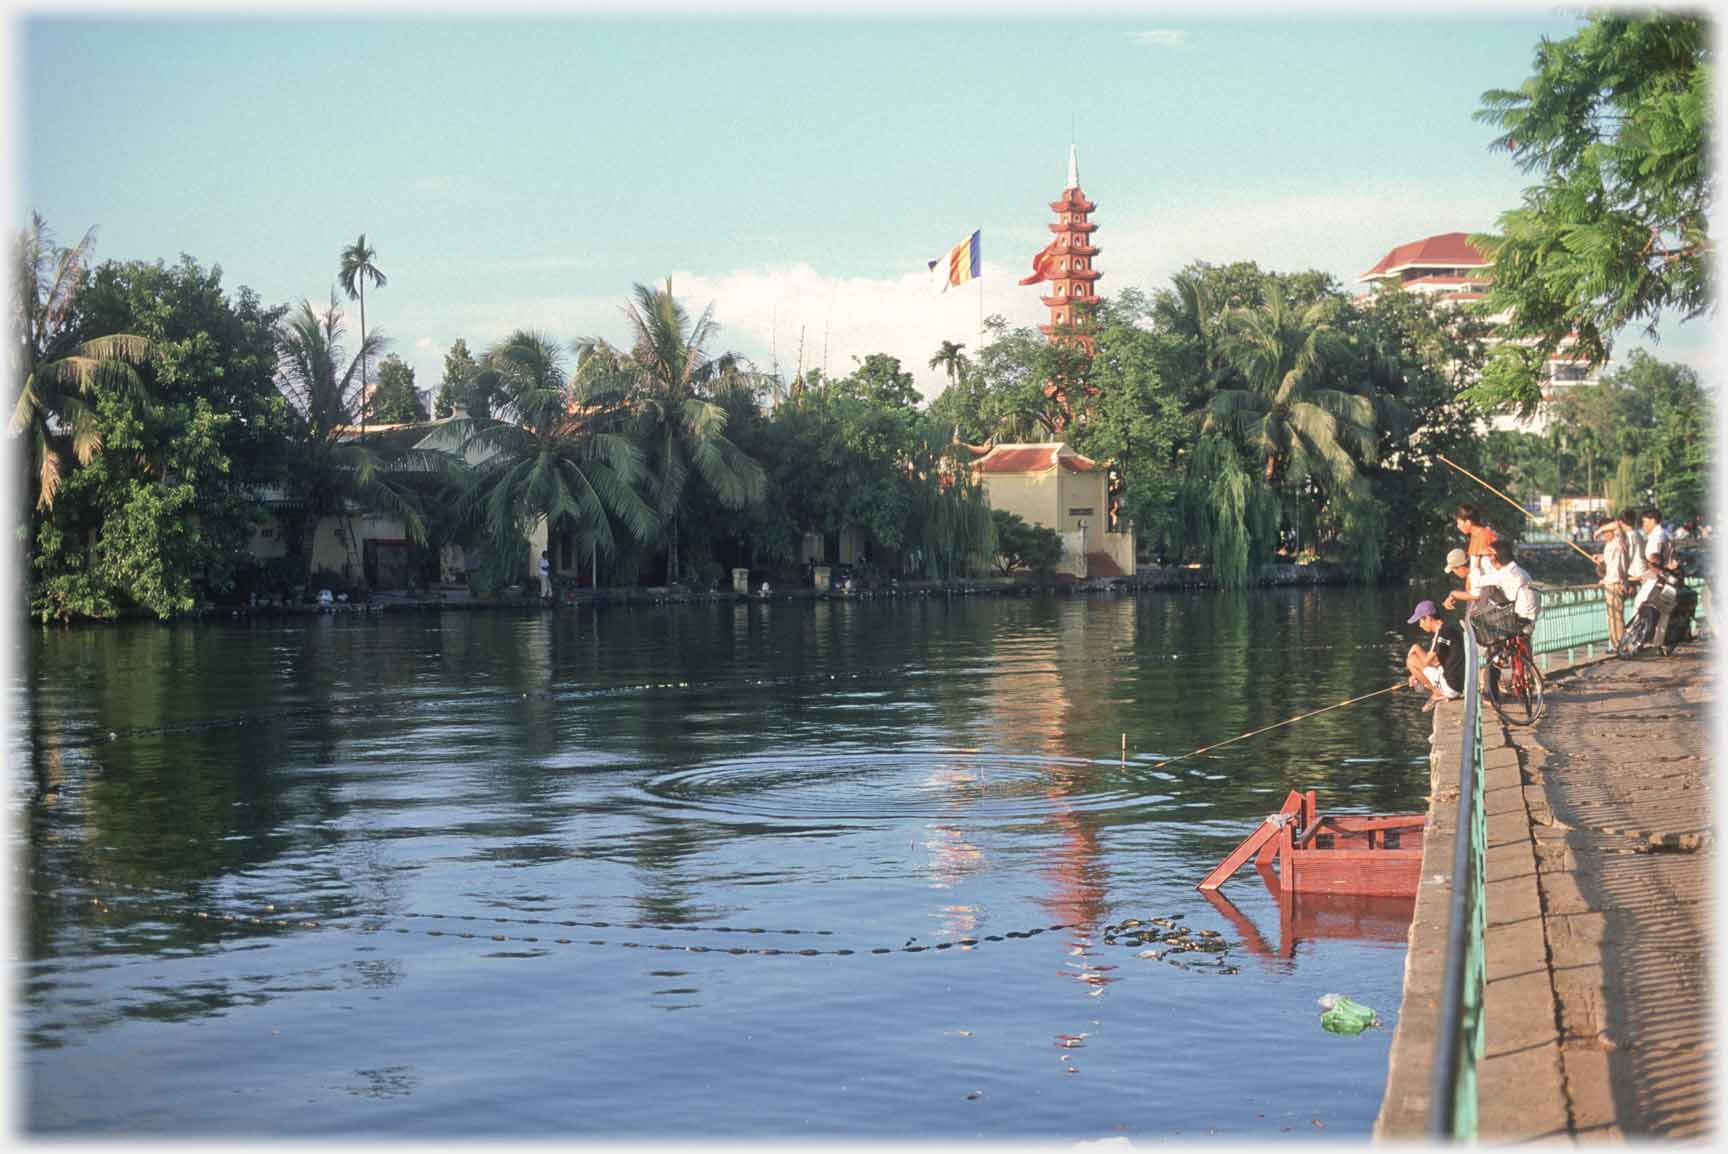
x=690, y=798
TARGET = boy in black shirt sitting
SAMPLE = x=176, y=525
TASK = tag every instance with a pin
x=1439, y=668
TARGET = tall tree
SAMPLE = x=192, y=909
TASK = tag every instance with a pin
x=454, y=388
x=359, y=265
x=555, y=451
x=1615, y=120
x=670, y=376
x=329, y=467
x=396, y=399
x=56, y=367
x=951, y=360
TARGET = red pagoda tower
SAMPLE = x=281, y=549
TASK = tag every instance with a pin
x=1068, y=266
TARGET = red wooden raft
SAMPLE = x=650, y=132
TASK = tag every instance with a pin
x=1348, y=854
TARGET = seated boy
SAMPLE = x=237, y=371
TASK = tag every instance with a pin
x=1439, y=668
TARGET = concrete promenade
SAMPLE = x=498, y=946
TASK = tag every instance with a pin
x=1599, y=913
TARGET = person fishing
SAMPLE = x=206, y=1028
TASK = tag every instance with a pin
x=1480, y=537
x=1458, y=565
x=1437, y=668
x=1506, y=581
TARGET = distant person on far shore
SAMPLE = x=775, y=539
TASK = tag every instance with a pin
x=545, y=576
x=1437, y=668
x=1480, y=537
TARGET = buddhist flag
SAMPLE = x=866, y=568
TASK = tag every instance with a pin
x=963, y=262
x=1042, y=264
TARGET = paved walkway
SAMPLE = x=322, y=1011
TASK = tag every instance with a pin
x=1599, y=901
x=1619, y=799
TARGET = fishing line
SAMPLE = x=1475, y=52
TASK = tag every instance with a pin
x=1521, y=509
x=1279, y=724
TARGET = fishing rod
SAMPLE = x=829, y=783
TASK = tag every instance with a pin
x=1588, y=556
x=1286, y=721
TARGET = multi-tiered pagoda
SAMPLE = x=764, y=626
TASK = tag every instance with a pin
x=1067, y=266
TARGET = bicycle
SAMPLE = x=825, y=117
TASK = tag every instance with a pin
x=1519, y=701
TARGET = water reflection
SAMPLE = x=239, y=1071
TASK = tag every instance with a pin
x=876, y=771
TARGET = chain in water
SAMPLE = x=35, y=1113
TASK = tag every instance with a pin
x=379, y=922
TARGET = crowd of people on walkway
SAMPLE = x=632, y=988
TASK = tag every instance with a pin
x=1501, y=601
x=1637, y=561
x=1497, y=591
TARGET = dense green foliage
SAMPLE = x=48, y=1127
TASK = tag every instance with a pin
x=1615, y=121
x=1640, y=437
x=1022, y=546
x=163, y=508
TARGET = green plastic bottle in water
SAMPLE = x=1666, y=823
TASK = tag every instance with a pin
x=1340, y=1015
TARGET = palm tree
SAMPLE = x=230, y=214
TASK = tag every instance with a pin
x=331, y=469
x=1288, y=415
x=670, y=378
x=56, y=372
x=552, y=450
x=357, y=269
x=949, y=357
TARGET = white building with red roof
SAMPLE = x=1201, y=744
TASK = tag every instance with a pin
x=1051, y=485
x=1448, y=267
x=1445, y=266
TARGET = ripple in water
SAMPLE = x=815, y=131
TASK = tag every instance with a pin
x=898, y=786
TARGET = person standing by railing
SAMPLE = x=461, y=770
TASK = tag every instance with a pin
x=1615, y=565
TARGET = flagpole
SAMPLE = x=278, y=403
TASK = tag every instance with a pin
x=979, y=351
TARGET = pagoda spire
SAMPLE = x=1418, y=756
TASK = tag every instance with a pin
x=1067, y=268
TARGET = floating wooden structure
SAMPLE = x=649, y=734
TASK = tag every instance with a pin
x=1319, y=917
x=1365, y=854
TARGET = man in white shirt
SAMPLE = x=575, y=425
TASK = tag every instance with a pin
x=1658, y=545
x=1658, y=556
x=1511, y=579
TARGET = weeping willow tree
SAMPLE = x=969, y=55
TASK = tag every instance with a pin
x=949, y=514
x=1227, y=510
x=1627, y=488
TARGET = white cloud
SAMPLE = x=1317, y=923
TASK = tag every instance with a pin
x=423, y=343
x=765, y=312
x=1160, y=37
x=763, y=309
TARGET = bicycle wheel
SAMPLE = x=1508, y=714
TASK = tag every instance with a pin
x=1522, y=700
x=1495, y=697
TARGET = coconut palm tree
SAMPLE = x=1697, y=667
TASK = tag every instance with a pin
x=552, y=450
x=1289, y=414
x=950, y=358
x=57, y=372
x=330, y=469
x=358, y=267
x=670, y=379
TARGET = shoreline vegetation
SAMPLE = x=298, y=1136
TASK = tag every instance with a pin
x=187, y=447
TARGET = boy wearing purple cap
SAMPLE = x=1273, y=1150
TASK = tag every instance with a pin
x=1439, y=668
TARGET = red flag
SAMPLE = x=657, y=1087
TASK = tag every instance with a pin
x=1041, y=264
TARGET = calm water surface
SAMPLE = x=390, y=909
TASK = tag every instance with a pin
x=832, y=777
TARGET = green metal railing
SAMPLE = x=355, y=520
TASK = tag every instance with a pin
x=1573, y=617
x=1458, y=1052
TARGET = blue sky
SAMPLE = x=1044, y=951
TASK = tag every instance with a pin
x=524, y=172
